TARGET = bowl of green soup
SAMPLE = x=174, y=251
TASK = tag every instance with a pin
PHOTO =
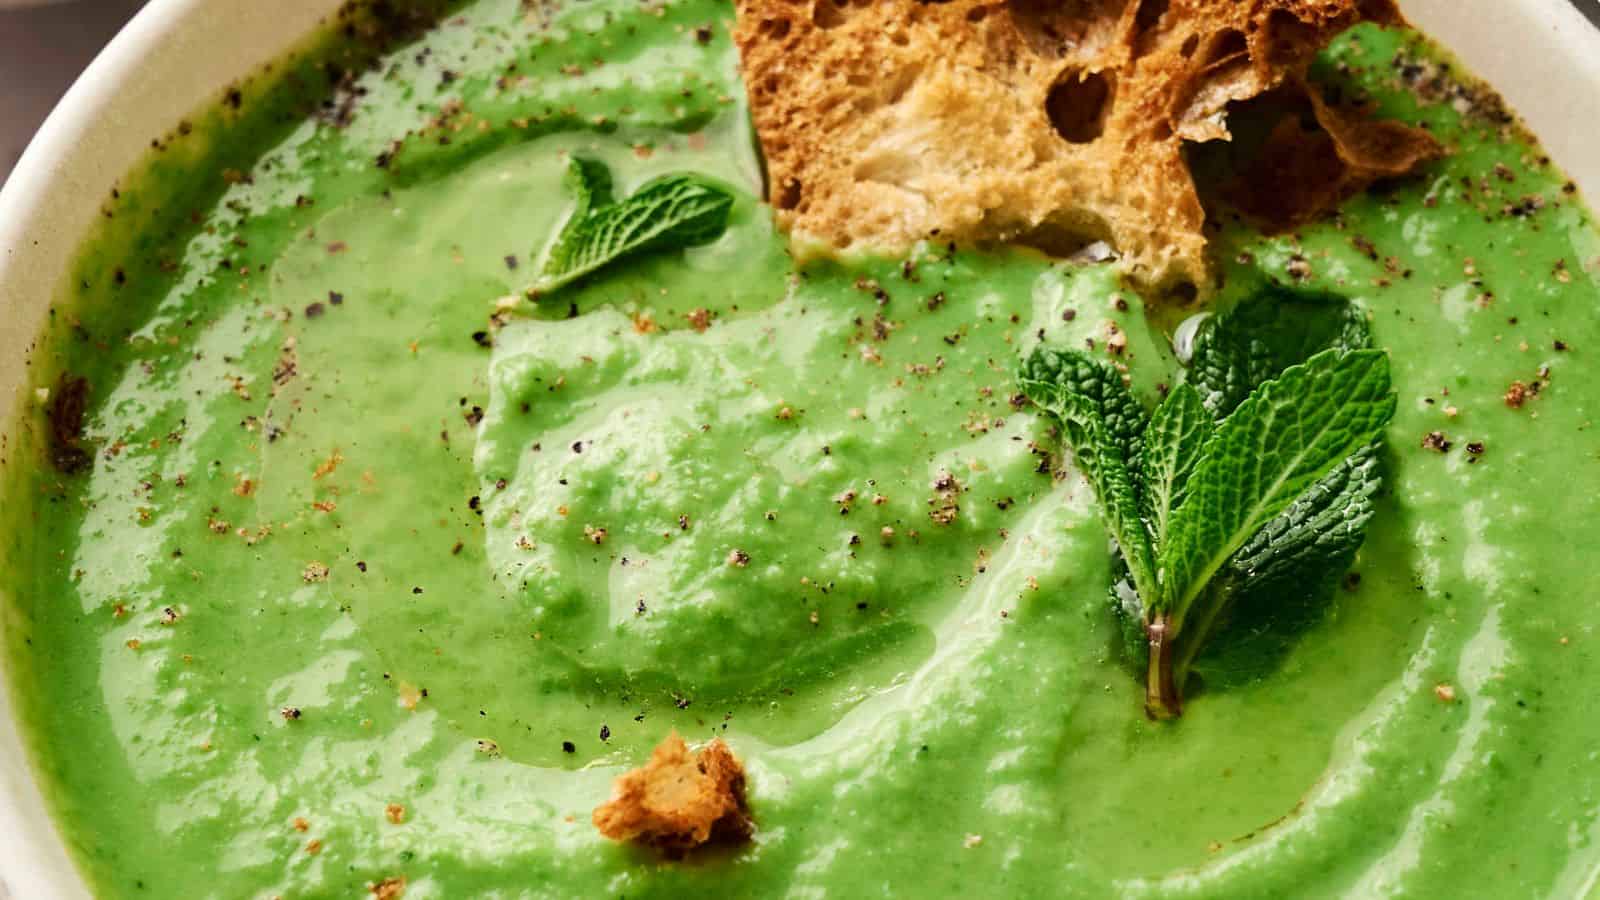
x=411, y=415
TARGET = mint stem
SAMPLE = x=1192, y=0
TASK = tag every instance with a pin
x=1204, y=617
x=1161, y=700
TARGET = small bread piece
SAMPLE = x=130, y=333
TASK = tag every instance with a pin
x=676, y=802
x=887, y=122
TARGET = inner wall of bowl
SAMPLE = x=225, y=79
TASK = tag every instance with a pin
x=178, y=54
x=1543, y=58
x=174, y=58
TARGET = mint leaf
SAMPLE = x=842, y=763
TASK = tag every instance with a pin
x=1275, y=328
x=1317, y=535
x=1050, y=373
x=1104, y=424
x=590, y=183
x=1172, y=445
x=1278, y=443
x=1279, y=582
x=669, y=213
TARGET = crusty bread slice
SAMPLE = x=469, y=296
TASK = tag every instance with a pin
x=887, y=122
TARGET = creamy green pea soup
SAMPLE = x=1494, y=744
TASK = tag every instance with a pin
x=345, y=589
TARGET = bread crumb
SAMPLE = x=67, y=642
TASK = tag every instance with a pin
x=1116, y=339
x=329, y=465
x=388, y=889
x=678, y=801
x=1516, y=395
x=1445, y=692
x=410, y=695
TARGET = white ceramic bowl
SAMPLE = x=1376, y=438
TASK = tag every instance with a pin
x=177, y=54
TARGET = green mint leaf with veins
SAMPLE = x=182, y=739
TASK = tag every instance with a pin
x=590, y=183
x=1319, y=532
x=1050, y=373
x=1104, y=425
x=1273, y=590
x=670, y=213
x=1178, y=430
x=1236, y=351
x=1283, y=440
x=1278, y=583
x=1277, y=444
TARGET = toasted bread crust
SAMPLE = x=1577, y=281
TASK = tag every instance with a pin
x=678, y=801
x=888, y=122
x=1299, y=172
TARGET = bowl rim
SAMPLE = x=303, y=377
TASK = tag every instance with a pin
x=176, y=55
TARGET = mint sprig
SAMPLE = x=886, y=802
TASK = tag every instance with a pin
x=1252, y=510
x=672, y=212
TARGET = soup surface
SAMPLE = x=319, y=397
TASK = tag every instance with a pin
x=356, y=590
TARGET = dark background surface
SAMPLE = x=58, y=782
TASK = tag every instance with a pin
x=42, y=49
x=44, y=44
